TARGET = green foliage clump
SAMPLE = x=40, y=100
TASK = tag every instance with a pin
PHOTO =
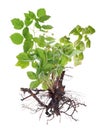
x=43, y=52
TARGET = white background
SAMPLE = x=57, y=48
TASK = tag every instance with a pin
x=87, y=78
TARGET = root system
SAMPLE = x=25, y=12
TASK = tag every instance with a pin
x=58, y=103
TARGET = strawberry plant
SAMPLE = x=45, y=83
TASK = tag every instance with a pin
x=48, y=58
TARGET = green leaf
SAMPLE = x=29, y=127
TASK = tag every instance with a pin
x=27, y=45
x=80, y=46
x=34, y=64
x=31, y=54
x=77, y=61
x=78, y=58
x=47, y=27
x=44, y=86
x=31, y=75
x=91, y=29
x=16, y=38
x=86, y=38
x=76, y=43
x=40, y=41
x=32, y=15
x=81, y=56
x=79, y=28
x=75, y=32
x=67, y=49
x=64, y=60
x=17, y=23
x=50, y=39
x=41, y=12
x=27, y=34
x=28, y=19
x=44, y=18
x=41, y=55
x=22, y=56
x=64, y=40
x=22, y=64
x=50, y=56
x=37, y=25
x=74, y=52
x=34, y=84
x=88, y=44
x=88, y=30
x=48, y=67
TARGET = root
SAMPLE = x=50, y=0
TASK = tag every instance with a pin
x=57, y=103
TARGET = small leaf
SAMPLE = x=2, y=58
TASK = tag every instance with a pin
x=86, y=38
x=34, y=84
x=50, y=39
x=31, y=54
x=37, y=25
x=31, y=75
x=88, y=44
x=88, y=30
x=27, y=45
x=28, y=22
x=32, y=15
x=48, y=67
x=64, y=60
x=23, y=56
x=68, y=49
x=80, y=46
x=47, y=27
x=76, y=43
x=78, y=28
x=77, y=61
x=28, y=19
x=75, y=32
x=81, y=56
x=34, y=64
x=64, y=40
x=40, y=41
x=44, y=86
x=44, y=18
x=17, y=23
x=22, y=64
x=16, y=38
x=75, y=52
x=27, y=34
x=41, y=12
x=41, y=54
x=91, y=29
